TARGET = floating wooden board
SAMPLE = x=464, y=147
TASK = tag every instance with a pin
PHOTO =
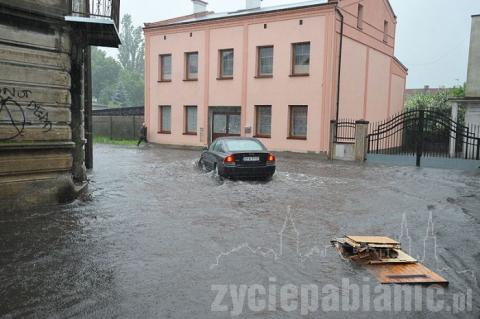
x=401, y=258
x=352, y=243
x=406, y=273
x=381, y=240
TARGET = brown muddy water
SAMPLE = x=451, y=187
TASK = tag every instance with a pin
x=154, y=234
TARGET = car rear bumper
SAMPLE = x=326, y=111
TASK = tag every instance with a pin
x=248, y=172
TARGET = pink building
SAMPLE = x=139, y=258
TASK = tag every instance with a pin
x=277, y=73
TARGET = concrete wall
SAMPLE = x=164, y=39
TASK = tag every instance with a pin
x=118, y=127
x=372, y=80
x=473, y=77
x=472, y=113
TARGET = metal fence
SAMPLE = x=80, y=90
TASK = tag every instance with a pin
x=118, y=127
x=424, y=133
x=345, y=131
x=97, y=9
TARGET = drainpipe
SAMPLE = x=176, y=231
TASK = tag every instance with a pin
x=339, y=64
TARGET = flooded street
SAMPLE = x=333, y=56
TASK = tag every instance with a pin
x=154, y=234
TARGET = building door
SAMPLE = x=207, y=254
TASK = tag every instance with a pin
x=225, y=124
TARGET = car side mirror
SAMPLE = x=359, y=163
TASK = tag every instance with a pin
x=205, y=148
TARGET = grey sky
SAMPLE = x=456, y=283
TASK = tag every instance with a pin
x=432, y=35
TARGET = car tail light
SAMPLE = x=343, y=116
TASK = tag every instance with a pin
x=270, y=158
x=230, y=160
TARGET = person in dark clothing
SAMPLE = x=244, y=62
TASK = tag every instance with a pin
x=143, y=135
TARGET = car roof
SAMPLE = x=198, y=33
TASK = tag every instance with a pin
x=238, y=138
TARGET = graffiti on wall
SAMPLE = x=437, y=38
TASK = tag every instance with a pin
x=15, y=108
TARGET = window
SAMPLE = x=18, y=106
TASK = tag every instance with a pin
x=219, y=148
x=360, y=17
x=165, y=113
x=165, y=67
x=212, y=146
x=263, y=121
x=191, y=120
x=226, y=63
x=243, y=145
x=385, y=31
x=301, y=58
x=265, y=61
x=298, y=122
x=191, y=66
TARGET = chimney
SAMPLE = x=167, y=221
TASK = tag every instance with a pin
x=199, y=6
x=473, y=78
x=253, y=4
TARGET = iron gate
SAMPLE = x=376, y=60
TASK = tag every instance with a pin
x=424, y=133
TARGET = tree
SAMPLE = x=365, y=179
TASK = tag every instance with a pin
x=437, y=101
x=121, y=83
x=133, y=83
x=131, y=52
x=105, y=71
x=120, y=96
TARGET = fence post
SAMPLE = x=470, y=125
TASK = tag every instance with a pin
x=361, y=143
x=133, y=129
x=111, y=127
x=420, y=141
x=453, y=136
x=333, y=131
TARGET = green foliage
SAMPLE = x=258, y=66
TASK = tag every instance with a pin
x=131, y=52
x=108, y=140
x=103, y=71
x=458, y=91
x=437, y=101
x=120, y=96
x=120, y=83
x=133, y=83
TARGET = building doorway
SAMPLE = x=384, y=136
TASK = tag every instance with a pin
x=224, y=121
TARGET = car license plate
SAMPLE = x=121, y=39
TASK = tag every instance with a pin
x=251, y=159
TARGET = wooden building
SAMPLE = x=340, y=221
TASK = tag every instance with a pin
x=45, y=96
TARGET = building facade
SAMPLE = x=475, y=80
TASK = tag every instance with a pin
x=279, y=73
x=45, y=96
x=472, y=89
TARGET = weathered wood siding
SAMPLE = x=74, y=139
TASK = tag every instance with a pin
x=43, y=7
x=35, y=117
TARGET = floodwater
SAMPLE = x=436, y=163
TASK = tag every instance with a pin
x=154, y=234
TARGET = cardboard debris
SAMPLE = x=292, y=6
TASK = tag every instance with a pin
x=385, y=258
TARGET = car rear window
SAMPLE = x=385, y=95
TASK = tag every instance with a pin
x=243, y=145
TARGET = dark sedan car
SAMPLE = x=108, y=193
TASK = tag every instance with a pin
x=238, y=157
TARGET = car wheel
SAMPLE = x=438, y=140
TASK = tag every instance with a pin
x=217, y=173
x=268, y=178
x=201, y=165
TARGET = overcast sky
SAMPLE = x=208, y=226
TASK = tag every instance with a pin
x=432, y=35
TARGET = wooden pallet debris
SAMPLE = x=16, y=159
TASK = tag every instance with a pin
x=385, y=259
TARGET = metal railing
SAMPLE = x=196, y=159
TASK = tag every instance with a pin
x=424, y=133
x=345, y=131
x=97, y=9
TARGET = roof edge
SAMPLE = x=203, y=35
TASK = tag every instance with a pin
x=178, y=20
x=149, y=25
x=391, y=8
x=400, y=63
